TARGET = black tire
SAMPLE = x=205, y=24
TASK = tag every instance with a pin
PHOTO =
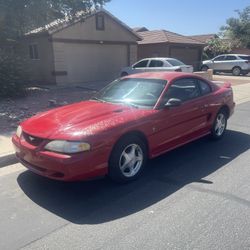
x=218, y=130
x=123, y=167
x=124, y=74
x=204, y=68
x=236, y=71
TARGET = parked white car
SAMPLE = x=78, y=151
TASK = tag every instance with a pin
x=229, y=63
x=157, y=64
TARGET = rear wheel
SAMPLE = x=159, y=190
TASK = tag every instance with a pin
x=128, y=159
x=236, y=71
x=220, y=125
x=204, y=68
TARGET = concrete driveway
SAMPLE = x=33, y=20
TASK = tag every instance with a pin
x=235, y=80
x=195, y=197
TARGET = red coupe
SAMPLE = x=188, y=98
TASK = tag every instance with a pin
x=132, y=119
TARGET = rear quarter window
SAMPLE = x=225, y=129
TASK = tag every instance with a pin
x=245, y=58
x=205, y=88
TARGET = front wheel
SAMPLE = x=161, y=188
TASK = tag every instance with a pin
x=204, y=68
x=219, y=126
x=128, y=159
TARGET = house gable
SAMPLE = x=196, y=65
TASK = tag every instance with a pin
x=86, y=30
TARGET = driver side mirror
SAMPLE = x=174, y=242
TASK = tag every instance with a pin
x=173, y=102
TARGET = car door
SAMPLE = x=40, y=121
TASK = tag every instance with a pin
x=156, y=65
x=141, y=66
x=230, y=62
x=177, y=125
x=218, y=63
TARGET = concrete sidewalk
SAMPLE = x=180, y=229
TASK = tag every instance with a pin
x=241, y=95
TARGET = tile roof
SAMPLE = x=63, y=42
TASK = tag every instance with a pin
x=204, y=38
x=164, y=36
x=60, y=24
x=140, y=29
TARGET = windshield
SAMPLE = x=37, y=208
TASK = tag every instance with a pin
x=133, y=91
x=175, y=62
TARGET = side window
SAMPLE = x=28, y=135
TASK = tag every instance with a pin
x=33, y=51
x=204, y=87
x=100, y=22
x=141, y=64
x=155, y=63
x=219, y=58
x=230, y=58
x=183, y=89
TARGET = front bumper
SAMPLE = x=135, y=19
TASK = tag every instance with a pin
x=81, y=166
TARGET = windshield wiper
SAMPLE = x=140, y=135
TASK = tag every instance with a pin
x=96, y=99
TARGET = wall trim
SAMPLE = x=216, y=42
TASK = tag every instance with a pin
x=59, y=73
x=83, y=41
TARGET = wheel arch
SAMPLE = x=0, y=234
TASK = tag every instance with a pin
x=226, y=109
x=135, y=133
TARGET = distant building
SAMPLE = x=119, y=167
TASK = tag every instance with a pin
x=163, y=43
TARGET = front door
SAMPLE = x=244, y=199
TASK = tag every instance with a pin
x=177, y=125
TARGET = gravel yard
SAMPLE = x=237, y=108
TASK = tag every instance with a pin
x=14, y=110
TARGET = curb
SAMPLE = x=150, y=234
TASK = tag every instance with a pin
x=7, y=159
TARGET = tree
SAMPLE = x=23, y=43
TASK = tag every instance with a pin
x=238, y=29
x=215, y=47
x=20, y=16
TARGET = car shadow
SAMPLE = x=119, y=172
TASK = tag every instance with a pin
x=102, y=200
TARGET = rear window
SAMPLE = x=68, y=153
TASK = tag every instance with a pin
x=245, y=58
x=155, y=63
x=175, y=62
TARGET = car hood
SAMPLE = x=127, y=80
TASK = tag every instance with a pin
x=81, y=119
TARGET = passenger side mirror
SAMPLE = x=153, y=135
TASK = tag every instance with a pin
x=173, y=102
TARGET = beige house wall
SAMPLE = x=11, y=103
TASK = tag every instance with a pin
x=38, y=70
x=77, y=63
x=84, y=54
x=133, y=56
x=86, y=30
x=153, y=50
x=187, y=53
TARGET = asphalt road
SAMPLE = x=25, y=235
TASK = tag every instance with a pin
x=195, y=197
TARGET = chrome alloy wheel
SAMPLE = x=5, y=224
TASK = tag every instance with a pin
x=131, y=160
x=220, y=124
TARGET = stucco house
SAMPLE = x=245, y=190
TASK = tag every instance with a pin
x=92, y=48
x=163, y=43
x=205, y=38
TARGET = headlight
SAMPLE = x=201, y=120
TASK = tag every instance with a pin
x=19, y=131
x=67, y=146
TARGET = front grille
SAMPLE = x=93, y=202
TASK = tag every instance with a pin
x=33, y=140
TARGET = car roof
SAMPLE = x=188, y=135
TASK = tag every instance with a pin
x=233, y=55
x=158, y=58
x=168, y=76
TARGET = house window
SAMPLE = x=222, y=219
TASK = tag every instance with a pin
x=100, y=22
x=33, y=50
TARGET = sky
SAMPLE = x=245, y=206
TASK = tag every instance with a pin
x=186, y=17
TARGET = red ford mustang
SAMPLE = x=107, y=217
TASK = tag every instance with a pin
x=132, y=119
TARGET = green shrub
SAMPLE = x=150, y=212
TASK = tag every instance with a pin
x=11, y=76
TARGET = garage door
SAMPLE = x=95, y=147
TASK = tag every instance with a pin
x=92, y=62
x=189, y=56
